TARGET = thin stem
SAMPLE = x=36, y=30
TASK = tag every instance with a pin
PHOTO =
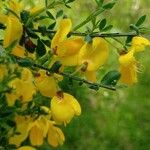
x=68, y=75
x=108, y=35
x=87, y=82
x=89, y=18
x=50, y=6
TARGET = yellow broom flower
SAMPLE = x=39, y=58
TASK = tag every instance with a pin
x=128, y=68
x=13, y=27
x=23, y=88
x=93, y=55
x=128, y=63
x=55, y=135
x=22, y=127
x=139, y=43
x=38, y=131
x=46, y=84
x=63, y=108
x=64, y=48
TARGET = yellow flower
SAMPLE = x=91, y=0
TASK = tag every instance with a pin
x=23, y=88
x=35, y=10
x=66, y=49
x=55, y=136
x=13, y=27
x=37, y=130
x=128, y=68
x=128, y=63
x=26, y=148
x=21, y=52
x=15, y=6
x=63, y=107
x=46, y=84
x=42, y=128
x=64, y=28
x=22, y=127
x=138, y=43
x=93, y=55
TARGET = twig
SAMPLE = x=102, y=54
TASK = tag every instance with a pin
x=108, y=35
x=18, y=59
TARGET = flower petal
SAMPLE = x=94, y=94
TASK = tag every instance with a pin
x=69, y=47
x=139, y=43
x=64, y=28
x=14, y=27
x=94, y=54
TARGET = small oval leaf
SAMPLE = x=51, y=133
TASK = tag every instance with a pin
x=111, y=78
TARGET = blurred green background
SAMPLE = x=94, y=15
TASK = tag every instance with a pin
x=113, y=120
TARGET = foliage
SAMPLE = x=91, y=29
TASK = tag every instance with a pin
x=41, y=68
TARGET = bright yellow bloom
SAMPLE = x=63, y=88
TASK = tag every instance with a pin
x=23, y=124
x=66, y=49
x=46, y=84
x=63, y=108
x=61, y=34
x=128, y=68
x=26, y=148
x=138, y=43
x=35, y=10
x=55, y=136
x=37, y=130
x=15, y=6
x=93, y=55
x=13, y=30
x=128, y=63
x=21, y=52
x=23, y=89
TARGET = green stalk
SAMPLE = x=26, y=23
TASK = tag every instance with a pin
x=88, y=19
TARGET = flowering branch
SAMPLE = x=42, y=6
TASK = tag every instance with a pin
x=32, y=64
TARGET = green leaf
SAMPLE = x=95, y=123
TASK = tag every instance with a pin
x=134, y=28
x=70, y=1
x=140, y=20
x=109, y=27
x=51, y=26
x=42, y=29
x=109, y=5
x=40, y=18
x=59, y=14
x=129, y=39
x=99, y=2
x=31, y=33
x=24, y=16
x=102, y=24
x=46, y=42
x=55, y=67
x=50, y=15
x=111, y=78
x=40, y=49
x=25, y=62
